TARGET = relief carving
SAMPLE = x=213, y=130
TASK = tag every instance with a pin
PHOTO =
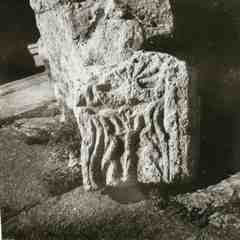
x=135, y=109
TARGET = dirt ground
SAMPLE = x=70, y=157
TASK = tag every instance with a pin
x=32, y=210
x=20, y=174
x=29, y=211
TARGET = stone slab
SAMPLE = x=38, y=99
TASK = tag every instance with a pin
x=25, y=95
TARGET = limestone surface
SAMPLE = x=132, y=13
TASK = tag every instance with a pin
x=215, y=209
x=214, y=197
x=136, y=122
x=136, y=110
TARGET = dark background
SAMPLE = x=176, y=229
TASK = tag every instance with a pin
x=17, y=31
x=207, y=37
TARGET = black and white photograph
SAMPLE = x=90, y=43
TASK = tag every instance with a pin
x=119, y=119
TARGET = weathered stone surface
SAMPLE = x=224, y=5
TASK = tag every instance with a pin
x=137, y=121
x=89, y=33
x=214, y=196
x=155, y=16
x=224, y=221
x=215, y=208
x=135, y=110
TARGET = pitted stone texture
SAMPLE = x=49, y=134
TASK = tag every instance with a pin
x=76, y=35
x=137, y=122
x=135, y=110
x=216, y=208
x=80, y=34
x=155, y=15
x=41, y=6
x=112, y=42
x=214, y=197
x=79, y=20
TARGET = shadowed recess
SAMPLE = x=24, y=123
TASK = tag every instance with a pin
x=17, y=29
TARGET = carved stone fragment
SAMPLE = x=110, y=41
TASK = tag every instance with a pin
x=135, y=121
x=136, y=110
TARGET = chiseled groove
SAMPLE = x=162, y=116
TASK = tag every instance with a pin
x=107, y=140
x=148, y=74
x=81, y=101
x=162, y=137
x=130, y=155
x=89, y=96
x=106, y=130
x=178, y=122
x=113, y=146
x=139, y=69
x=117, y=123
x=139, y=123
x=86, y=152
x=173, y=136
x=95, y=161
x=148, y=122
x=167, y=140
x=110, y=155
